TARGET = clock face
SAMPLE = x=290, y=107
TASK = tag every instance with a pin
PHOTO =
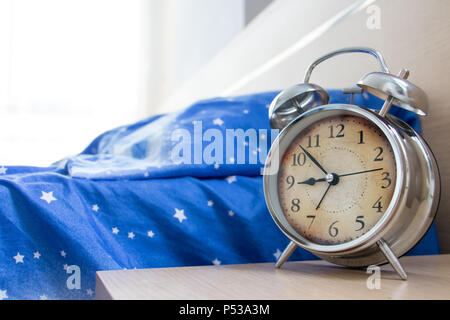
x=337, y=179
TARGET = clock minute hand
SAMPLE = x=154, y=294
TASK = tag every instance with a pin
x=313, y=160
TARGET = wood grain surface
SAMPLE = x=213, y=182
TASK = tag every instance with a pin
x=429, y=278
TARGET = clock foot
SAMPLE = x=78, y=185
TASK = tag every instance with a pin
x=286, y=254
x=390, y=256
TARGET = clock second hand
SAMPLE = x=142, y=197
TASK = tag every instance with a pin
x=312, y=181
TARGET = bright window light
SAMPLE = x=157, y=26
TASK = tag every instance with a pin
x=69, y=70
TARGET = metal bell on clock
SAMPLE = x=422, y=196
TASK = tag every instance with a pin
x=292, y=102
x=395, y=90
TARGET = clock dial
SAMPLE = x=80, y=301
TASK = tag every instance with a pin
x=337, y=179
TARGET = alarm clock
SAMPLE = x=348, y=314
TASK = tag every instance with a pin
x=354, y=186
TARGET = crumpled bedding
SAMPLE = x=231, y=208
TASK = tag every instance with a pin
x=124, y=203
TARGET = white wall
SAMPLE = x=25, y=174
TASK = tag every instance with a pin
x=185, y=35
x=254, y=7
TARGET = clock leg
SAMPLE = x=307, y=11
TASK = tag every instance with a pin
x=390, y=256
x=286, y=254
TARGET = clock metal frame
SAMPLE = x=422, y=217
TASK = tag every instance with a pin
x=407, y=218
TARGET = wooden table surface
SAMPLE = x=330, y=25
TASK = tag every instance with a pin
x=428, y=278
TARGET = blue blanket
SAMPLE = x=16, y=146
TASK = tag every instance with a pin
x=127, y=202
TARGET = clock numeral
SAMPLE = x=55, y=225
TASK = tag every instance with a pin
x=387, y=179
x=361, y=137
x=310, y=141
x=295, y=205
x=358, y=220
x=377, y=205
x=311, y=217
x=290, y=180
x=380, y=152
x=340, y=133
x=332, y=230
x=298, y=159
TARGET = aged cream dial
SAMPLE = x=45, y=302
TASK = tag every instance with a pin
x=336, y=179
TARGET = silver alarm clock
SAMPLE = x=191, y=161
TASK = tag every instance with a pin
x=352, y=185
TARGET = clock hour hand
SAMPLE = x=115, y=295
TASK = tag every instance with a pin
x=312, y=181
x=313, y=160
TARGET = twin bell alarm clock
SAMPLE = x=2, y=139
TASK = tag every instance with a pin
x=353, y=185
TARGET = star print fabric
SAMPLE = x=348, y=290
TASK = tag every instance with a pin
x=123, y=204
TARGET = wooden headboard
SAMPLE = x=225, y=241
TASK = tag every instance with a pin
x=276, y=47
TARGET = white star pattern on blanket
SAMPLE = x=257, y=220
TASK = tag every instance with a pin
x=3, y=294
x=48, y=196
x=277, y=254
x=218, y=121
x=231, y=179
x=19, y=258
x=179, y=214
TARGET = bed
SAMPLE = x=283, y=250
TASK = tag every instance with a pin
x=122, y=204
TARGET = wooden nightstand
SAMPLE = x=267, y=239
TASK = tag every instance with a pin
x=429, y=278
